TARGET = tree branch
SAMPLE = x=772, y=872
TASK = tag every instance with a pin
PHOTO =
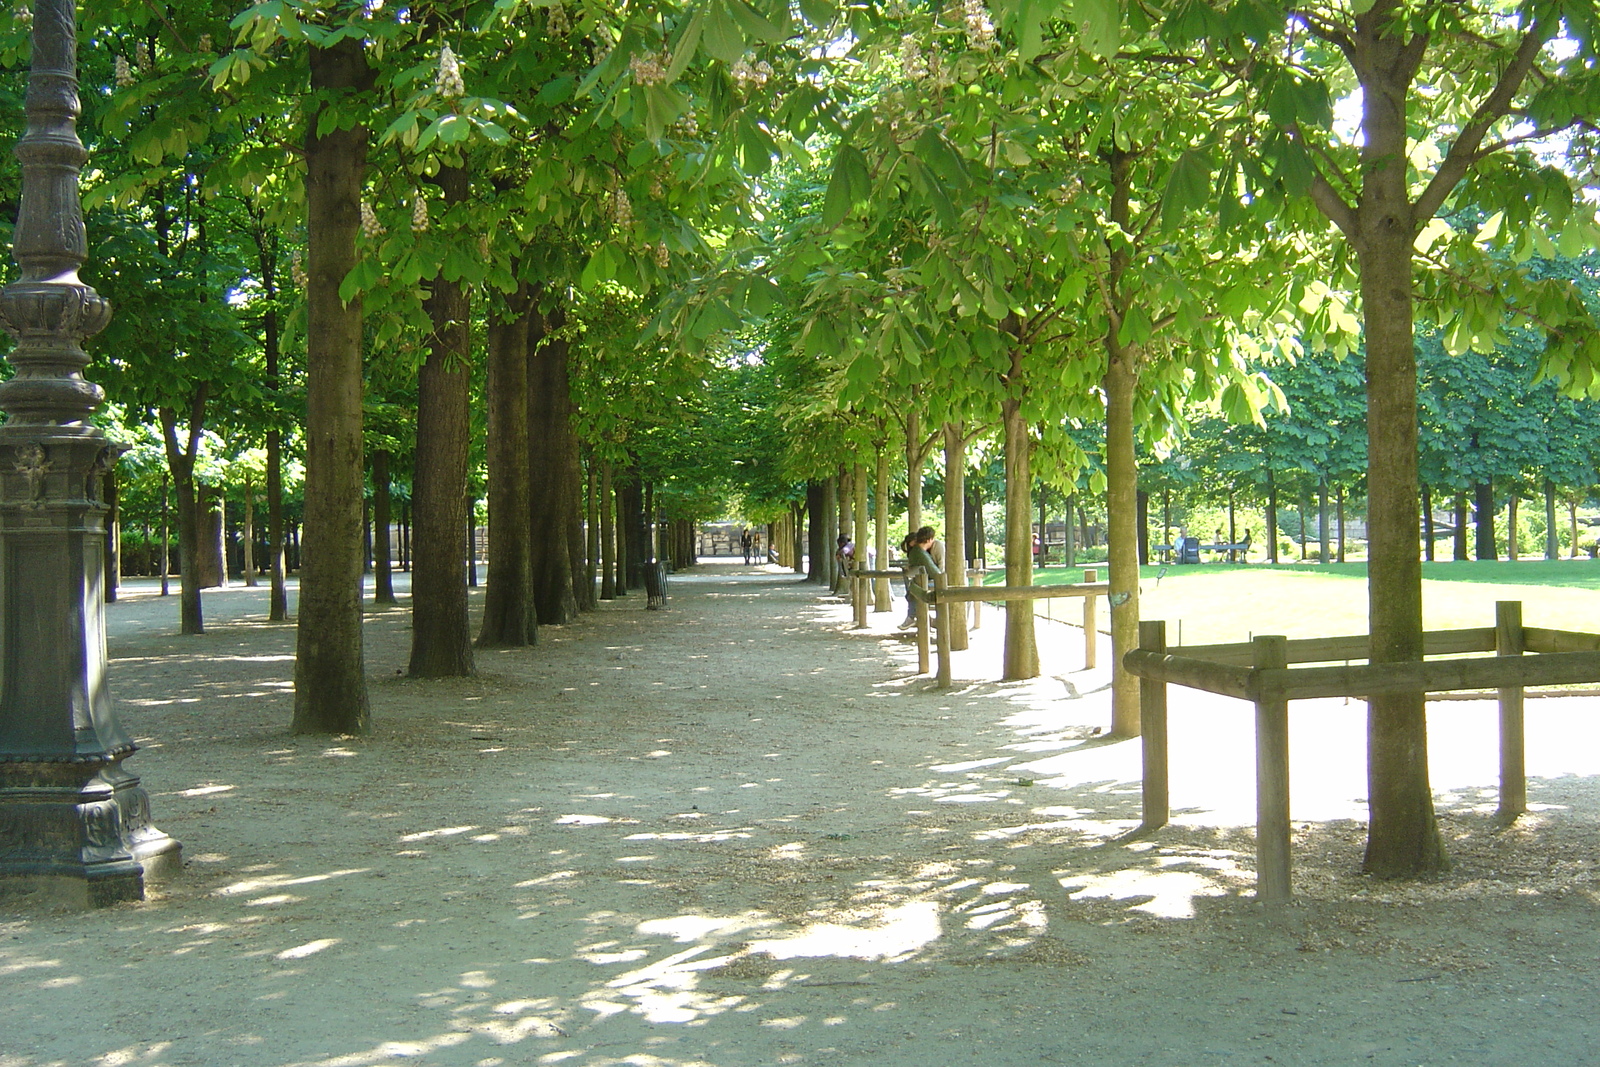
x=1464, y=151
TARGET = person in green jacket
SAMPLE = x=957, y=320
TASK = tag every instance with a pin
x=921, y=554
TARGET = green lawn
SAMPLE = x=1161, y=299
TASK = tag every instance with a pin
x=1214, y=602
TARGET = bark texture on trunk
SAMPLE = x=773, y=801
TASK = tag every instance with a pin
x=955, y=526
x=330, y=685
x=382, y=525
x=1021, y=657
x=552, y=495
x=1403, y=839
x=608, y=540
x=882, y=599
x=1483, y=520
x=180, y=462
x=1122, y=536
x=816, y=532
x=441, y=638
x=509, y=620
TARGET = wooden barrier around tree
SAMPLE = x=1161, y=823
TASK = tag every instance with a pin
x=1260, y=672
x=942, y=595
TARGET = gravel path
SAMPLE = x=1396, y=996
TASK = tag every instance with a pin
x=736, y=832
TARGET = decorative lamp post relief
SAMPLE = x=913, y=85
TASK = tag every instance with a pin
x=74, y=823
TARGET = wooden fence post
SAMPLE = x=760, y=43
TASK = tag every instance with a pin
x=1090, y=637
x=1272, y=777
x=858, y=593
x=1508, y=641
x=1153, y=736
x=921, y=578
x=941, y=615
x=977, y=605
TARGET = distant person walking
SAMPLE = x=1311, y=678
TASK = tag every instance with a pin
x=746, y=543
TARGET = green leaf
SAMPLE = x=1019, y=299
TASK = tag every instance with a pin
x=721, y=38
x=819, y=13
x=1100, y=24
x=1188, y=185
x=688, y=39
x=849, y=185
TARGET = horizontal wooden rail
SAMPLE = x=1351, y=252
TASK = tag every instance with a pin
x=1328, y=649
x=1537, y=639
x=1026, y=592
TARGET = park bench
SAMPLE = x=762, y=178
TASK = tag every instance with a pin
x=1188, y=551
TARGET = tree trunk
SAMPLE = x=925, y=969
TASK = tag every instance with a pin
x=1341, y=523
x=1069, y=550
x=551, y=494
x=1552, y=543
x=382, y=527
x=830, y=531
x=1122, y=541
x=278, y=597
x=1483, y=520
x=1427, y=524
x=1403, y=839
x=509, y=620
x=955, y=527
x=167, y=536
x=1272, y=519
x=577, y=541
x=883, y=599
x=816, y=532
x=1511, y=526
x=441, y=638
x=1324, y=555
x=914, y=459
x=180, y=463
x=608, y=550
x=1459, y=541
x=330, y=691
x=248, y=539
x=591, y=522
x=1021, y=650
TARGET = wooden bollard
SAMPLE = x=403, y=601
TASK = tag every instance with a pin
x=941, y=611
x=1091, y=641
x=977, y=605
x=1508, y=641
x=1272, y=777
x=1153, y=735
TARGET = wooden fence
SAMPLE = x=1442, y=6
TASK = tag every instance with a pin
x=1260, y=672
x=944, y=598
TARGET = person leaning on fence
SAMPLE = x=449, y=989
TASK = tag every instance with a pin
x=844, y=555
x=920, y=555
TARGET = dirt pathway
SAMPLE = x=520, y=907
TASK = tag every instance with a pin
x=735, y=833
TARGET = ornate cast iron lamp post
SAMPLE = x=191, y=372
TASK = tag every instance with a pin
x=73, y=821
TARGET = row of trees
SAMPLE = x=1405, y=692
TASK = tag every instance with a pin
x=914, y=226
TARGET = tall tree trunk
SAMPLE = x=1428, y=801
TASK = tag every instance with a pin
x=278, y=597
x=608, y=550
x=591, y=525
x=1122, y=542
x=577, y=541
x=914, y=460
x=1322, y=522
x=1483, y=520
x=1021, y=659
x=796, y=531
x=167, y=535
x=509, y=620
x=955, y=528
x=830, y=531
x=382, y=530
x=180, y=463
x=1340, y=507
x=883, y=599
x=330, y=685
x=1459, y=541
x=635, y=536
x=1552, y=543
x=862, y=533
x=1427, y=524
x=551, y=494
x=441, y=638
x=817, y=532
x=1272, y=518
x=248, y=539
x=1403, y=838
x=1511, y=525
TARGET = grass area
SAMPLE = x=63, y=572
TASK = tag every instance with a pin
x=1218, y=602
